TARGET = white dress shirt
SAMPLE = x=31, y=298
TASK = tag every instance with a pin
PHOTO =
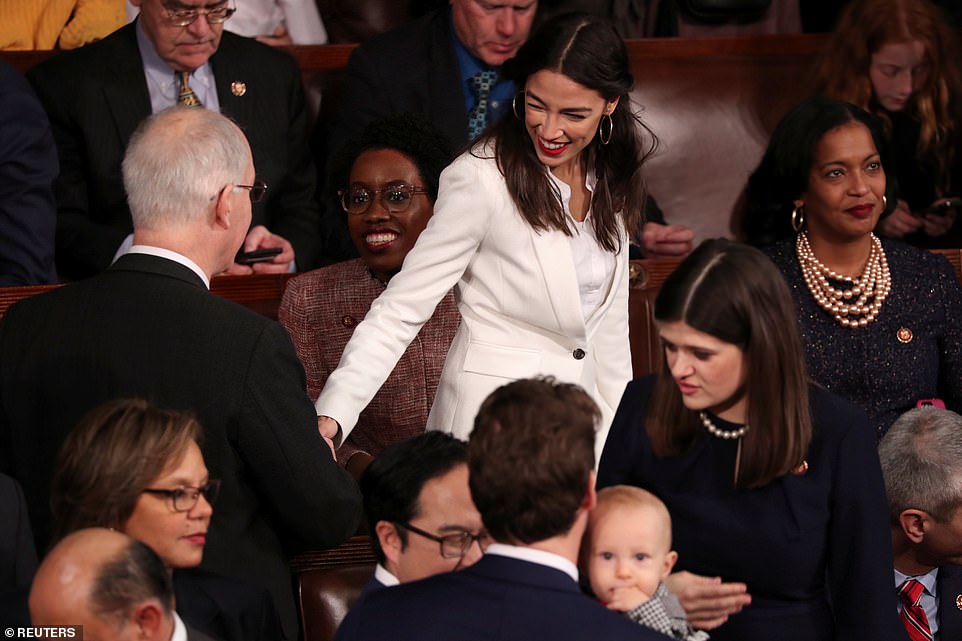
x=930, y=596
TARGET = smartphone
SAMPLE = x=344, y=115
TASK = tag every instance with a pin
x=257, y=256
x=942, y=208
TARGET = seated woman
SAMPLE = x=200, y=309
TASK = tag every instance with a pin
x=138, y=470
x=772, y=482
x=390, y=178
x=900, y=60
x=879, y=319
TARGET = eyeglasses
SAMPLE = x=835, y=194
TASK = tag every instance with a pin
x=258, y=189
x=456, y=545
x=185, y=498
x=186, y=17
x=394, y=198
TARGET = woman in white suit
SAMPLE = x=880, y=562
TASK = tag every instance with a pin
x=531, y=228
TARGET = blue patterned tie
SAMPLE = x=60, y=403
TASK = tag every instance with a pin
x=481, y=82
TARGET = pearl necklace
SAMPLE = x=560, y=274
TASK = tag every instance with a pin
x=869, y=290
x=720, y=433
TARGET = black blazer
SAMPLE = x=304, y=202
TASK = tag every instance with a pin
x=148, y=328
x=950, y=602
x=225, y=609
x=97, y=95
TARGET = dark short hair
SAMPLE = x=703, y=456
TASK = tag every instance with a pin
x=135, y=575
x=392, y=483
x=783, y=173
x=735, y=293
x=116, y=450
x=410, y=134
x=530, y=458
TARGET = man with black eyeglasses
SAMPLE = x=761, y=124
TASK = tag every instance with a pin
x=176, y=52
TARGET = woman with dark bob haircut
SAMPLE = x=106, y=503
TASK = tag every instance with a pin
x=137, y=469
x=878, y=318
x=531, y=229
x=772, y=482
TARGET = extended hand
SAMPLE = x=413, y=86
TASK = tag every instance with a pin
x=707, y=601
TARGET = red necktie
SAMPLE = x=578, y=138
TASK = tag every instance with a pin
x=913, y=615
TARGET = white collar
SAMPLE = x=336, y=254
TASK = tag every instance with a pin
x=386, y=579
x=541, y=557
x=180, y=630
x=161, y=252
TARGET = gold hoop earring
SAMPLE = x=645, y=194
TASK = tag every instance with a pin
x=798, y=218
x=605, y=139
x=885, y=203
x=514, y=105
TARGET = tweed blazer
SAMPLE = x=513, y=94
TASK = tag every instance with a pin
x=320, y=310
x=521, y=313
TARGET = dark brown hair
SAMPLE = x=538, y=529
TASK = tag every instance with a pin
x=736, y=294
x=530, y=458
x=116, y=451
x=589, y=51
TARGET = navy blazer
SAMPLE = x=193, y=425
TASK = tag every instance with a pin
x=97, y=95
x=949, y=583
x=148, y=328
x=497, y=598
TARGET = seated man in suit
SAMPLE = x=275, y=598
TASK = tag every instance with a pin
x=531, y=464
x=419, y=508
x=921, y=457
x=175, y=53
x=116, y=588
x=149, y=328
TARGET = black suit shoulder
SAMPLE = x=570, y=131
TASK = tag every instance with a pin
x=223, y=608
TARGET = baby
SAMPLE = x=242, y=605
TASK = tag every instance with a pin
x=627, y=551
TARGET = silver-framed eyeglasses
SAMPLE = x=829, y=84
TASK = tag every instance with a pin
x=186, y=17
x=395, y=198
x=185, y=498
x=258, y=189
x=456, y=544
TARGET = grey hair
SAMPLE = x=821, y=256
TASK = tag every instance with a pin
x=921, y=458
x=177, y=161
x=135, y=575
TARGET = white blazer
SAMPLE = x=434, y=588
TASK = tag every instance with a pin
x=521, y=312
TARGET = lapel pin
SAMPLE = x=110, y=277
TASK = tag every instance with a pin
x=958, y=601
x=904, y=335
x=238, y=88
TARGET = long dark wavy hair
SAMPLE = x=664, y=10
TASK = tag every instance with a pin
x=589, y=51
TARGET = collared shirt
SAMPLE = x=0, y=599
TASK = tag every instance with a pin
x=180, y=630
x=548, y=559
x=930, y=596
x=171, y=255
x=594, y=266
x=260, y=17
x=384, y=577
x=164, y=87
x=501, y=93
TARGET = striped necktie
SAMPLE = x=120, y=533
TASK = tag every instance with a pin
x=913, y=615
x=187, y=97
x=481, y=82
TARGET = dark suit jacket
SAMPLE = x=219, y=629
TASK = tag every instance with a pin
x=225, y=609
x=148, y=328
x=950, y=602
x=97, y=95
x=28, y=166
x=497, y=598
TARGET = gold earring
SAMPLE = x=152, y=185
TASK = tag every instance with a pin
x=798, y=218
x=605, y=139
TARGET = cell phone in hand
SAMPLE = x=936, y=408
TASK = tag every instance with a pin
x=943, y=208
x=257, y=256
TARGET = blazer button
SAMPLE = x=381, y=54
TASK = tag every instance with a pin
x=348, y=321
x=578, y=354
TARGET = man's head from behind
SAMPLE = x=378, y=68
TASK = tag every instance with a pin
x=114, y=586
x=185, y=33
x=921, y=458
x=416, y=492
x=531, y=459
x=493, y=30
x=181, y=171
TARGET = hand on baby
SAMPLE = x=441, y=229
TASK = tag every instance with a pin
x=626, y=598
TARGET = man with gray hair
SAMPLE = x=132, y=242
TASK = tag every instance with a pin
x=921, y=457
x=113, y=586
x=148, y=327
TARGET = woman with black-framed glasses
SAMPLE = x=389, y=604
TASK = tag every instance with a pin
x=139, y=470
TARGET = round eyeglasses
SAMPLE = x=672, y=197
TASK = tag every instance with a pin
x=185, y=498
x=186, y=17
x=455, y=545
x=395, y=198
x=258, y=189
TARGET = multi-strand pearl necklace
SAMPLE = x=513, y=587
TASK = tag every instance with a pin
x=714, y=430
x=868, y=290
